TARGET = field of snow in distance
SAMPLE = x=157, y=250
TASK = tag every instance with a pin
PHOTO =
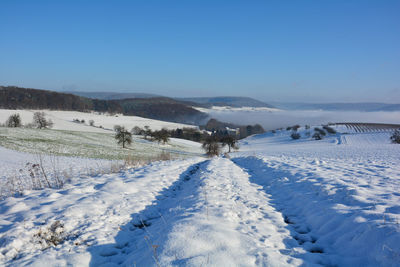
x=63, y=120
x=275, y=202
x=227, y=108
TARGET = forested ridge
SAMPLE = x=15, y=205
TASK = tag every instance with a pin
x=160, y=108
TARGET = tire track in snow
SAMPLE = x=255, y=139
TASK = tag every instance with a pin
x=212, y=216
x=326, y=226
x=138, y=241
x=91, y=209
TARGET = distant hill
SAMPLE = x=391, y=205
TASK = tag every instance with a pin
x=206, y=102
x=160, y=108
x=112, y=95
x=366, y=107
x=12, y=97
x=229, y=101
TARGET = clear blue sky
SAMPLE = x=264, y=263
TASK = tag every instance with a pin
x=272, y=50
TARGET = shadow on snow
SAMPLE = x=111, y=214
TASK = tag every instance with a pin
x=140, y=241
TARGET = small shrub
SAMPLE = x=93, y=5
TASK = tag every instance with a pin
x=288, y=128
x=395, y=138
x=329, y=129
x=211, y=146
x=317, y=136
x=320, y=131
x=295, y=136
x=137, y=130
x=40, y=121
x=52, y=236
x=295, y=127
x=163, y=156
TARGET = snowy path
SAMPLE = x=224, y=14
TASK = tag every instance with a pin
x=213, y=216
x=249, y=212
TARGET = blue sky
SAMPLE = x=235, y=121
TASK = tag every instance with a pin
x=272, y=50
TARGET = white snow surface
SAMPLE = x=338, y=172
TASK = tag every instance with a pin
x=63, y=120
x=12, y=161
x=277, y=202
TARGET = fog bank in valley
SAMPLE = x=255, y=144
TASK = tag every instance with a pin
x=275, y=119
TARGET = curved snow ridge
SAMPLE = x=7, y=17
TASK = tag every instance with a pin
x=91, y=211
x=338, y=219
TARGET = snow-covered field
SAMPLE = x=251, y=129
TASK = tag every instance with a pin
x=88, y=144
x=275, y=118
x=277, y=202
x=63, y=120
x=233, y=109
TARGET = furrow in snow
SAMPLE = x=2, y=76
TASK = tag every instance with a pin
x=330, y=220
x=212, y=216
x=92, y=211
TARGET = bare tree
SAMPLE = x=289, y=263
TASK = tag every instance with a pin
x=14, y=121
x=211, y=146
x=122, y=135
x=40, y=121
x=137, y=130
x=161, y=136
x=147, y=131
x=229, y=141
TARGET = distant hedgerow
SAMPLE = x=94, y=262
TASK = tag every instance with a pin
x=395, y=138
x=317, y=136
x=320, y=131
x=295, y=136
x=329, y=129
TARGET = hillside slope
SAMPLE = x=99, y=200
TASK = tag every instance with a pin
x=229, y=101
x=111, y=95
x=166, y=109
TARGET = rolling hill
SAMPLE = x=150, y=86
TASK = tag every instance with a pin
x=160, y=108
x=229, y=101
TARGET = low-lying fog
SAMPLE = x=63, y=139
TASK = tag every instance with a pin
x=275, y=119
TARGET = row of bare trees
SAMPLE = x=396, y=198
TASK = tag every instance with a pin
x=213, y=144
x=124, y=137
x=39, y=121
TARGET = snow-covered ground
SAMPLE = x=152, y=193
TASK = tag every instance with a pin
x=63, y=120
x=235, y=109
x=277, y=202
x=16, y=168
x=89, y=145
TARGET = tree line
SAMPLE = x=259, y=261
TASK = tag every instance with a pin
x=39, y=121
